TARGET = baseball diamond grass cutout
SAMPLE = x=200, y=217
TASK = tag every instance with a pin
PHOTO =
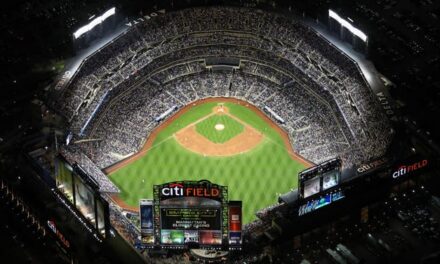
x=256, y=177
x=212, y=129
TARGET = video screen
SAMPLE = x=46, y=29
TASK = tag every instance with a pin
x=235, y=218
x=195, y=214
x=330, y=179
x=85, y=200
x=209, y=237
x=312, y=187
x=235, y=224
x=191, y=236
x=146, y=212
x=322, y=177
x=172, y=237
x=100, y=217
x=235, y=238
x=315, y=204
x=191, y=218
x=146, y=221
x=72, y=185
x=64, y=179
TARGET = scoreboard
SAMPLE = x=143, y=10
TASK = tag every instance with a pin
x=319, y=186
x=318, y=179
x=193, y=214
x=191, y=218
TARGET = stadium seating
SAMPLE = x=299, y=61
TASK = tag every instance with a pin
x=320, y=93
x=284, y=65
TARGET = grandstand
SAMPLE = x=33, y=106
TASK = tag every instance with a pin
x=128, y=88
x=284, y=66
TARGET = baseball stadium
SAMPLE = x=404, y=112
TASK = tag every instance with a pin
x=218, y=131
x=238, y=97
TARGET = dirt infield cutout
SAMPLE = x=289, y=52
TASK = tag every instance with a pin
x=190, y=139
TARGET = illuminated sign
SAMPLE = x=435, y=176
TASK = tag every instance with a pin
x=322, y=177
x=322, y=201
x=355, y=31
x=193, y=212
x=54, y=229
x=191, y=218
x=146, y=17
x=178, y=190
x=235, y=224
x=146, y=221
x=94, y=23
x=370, y=166
x=405, y=169
x=175, y=189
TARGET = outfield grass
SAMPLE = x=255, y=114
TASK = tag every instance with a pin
x=255, y=177
x=207, y=129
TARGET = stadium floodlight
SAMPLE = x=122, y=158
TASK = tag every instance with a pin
x=94, y=23
x=347, y=25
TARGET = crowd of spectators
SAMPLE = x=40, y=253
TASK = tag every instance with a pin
x=320, y=93
x=284, y=65
x=272, y=211
x=123, y=225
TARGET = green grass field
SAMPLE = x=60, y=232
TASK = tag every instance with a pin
x=207, y=128
x=255, y=177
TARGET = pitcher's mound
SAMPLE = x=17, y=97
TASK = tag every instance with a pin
x=219, y=127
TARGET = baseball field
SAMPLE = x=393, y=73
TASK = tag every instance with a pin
x=225, y=141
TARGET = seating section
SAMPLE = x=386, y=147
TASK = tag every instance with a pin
x=327, y=106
